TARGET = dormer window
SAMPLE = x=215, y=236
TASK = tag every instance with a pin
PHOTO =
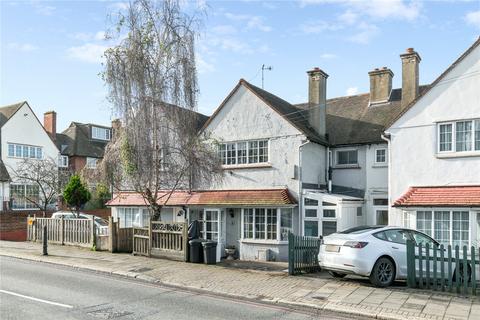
x=101, y=133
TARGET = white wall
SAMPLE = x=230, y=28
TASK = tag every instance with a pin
x=247, y=117
x=352, y=177
x=314, y=163
x=414, y=140
x=24, y=128
x=376, y=182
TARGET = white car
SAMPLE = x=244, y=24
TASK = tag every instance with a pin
x=101, y=225
x=377, y=252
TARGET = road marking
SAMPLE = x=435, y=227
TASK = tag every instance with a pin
x=36, y=299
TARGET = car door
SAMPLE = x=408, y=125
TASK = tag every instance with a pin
x=423, y=239
x=397, y=244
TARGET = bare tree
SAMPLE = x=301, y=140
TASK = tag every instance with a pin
x=152, y=81
x=44, y=178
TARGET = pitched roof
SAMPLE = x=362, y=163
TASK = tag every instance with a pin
x=289, y=112
x=4, y=176
x=451, y=196
x=263, y=197
x=7, y=112
x=434, y=83
x=76, y=141
x=352, y=120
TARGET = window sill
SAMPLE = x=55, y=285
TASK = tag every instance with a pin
x=247, y=166
x=347, y=166
x=464, y=154
x=259, y=241
x=380, y=165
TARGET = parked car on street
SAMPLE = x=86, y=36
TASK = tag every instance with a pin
x=101, y=225
x=377, y=252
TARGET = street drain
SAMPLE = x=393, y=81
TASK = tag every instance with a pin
x=319, y=297
x=140, y=270
x=108, y=313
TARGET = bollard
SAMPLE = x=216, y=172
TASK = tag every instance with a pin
x=44, y=239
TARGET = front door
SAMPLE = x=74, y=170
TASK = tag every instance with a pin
x=212, y=228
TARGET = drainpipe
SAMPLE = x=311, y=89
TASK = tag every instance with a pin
x=300, y=204
x=329, y=172
x=387, y=137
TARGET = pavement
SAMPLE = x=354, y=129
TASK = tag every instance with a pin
x=348, y=296
x=33, y=290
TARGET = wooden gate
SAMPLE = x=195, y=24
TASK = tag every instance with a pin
x=162, y=239
x=303, y=254
x=141, y=241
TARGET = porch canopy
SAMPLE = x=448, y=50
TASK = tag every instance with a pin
x=449, y=196
x=262, y=197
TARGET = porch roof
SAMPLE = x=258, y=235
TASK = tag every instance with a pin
x=450, y=196
x=263, y=197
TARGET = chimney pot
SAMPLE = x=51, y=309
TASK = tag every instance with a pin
x=380, y=85
x=410, y=76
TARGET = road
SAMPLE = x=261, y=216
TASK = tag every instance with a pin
x=34, y=290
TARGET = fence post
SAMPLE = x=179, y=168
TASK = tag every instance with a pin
x=62, y=229
x=411, y=281
x=45, y=240
x=185, y=241
x=149, y=244
x=111, y=236
x=34, y=227
x=290, y=253
x=92, y=232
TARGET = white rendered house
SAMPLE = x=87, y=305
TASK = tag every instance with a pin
x=22, y=136
x=435, y=156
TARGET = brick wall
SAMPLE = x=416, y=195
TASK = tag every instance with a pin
x=13, y=225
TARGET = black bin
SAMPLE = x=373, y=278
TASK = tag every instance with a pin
x=196, y=250
x=210, y=252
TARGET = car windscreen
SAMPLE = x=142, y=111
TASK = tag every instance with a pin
x=361, y=229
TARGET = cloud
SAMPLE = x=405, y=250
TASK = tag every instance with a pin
x=328, y=56
x=89, y=52
x=120, y=6
x=348, y=17
x=366, y=34
x=224, y=29
x=252, y=22
x=100, y=35
x=352, y=91
x=23, y=47
x=473, y=18
x=43, y=9
x=203, y=66
x=319, y=26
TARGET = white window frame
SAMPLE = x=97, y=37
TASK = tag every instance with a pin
x=319, y=218
x=22, y=154
x=63, y=161
x=278, y=224
x=89, y=165
x=453, y=150
x=385, y=162
x=107, y=133
x=338, y=165
x=471, y=216
x=224, y=148
x=27, y=205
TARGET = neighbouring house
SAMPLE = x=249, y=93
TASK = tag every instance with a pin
x=434, y=157
x=22, y=136
x=81, y=145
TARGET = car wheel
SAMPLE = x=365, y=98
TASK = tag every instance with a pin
x=337, y=274
x=383, y=273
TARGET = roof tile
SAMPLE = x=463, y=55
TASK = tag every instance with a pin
x=451, y=196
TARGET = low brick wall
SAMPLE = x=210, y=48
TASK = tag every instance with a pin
x=13, y=224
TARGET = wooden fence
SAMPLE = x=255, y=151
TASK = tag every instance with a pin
x=162, y=239
x=443, y=269
x=303, y=254
x=79, y=232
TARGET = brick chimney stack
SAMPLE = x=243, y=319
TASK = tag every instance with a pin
x=380, y=85
x=50, y=123
x=317, y=100
x=410, y=76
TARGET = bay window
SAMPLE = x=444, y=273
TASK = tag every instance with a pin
x=244, y=152
x=459, y=136
x=132, y=217
x=24, y=196
x=445, y=226
x=266, y=223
